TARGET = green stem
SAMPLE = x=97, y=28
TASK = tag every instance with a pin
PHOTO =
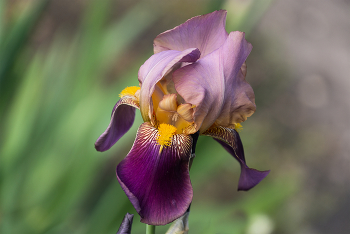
x=150, y=229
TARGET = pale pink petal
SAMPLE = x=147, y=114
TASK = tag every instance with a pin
x=214, y=84
x=202, y=85
x=154, y=69
x=239, y=96
x=205, y=32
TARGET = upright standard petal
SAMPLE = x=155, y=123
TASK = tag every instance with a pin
x=205, y=32
x=230, y=140
x=239, y=95
x=154, y=69
x=156, y=178
x=221, y=94
x=123, y=116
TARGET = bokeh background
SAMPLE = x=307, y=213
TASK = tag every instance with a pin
x=63, y=64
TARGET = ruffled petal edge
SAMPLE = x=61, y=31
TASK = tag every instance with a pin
x=205, y=32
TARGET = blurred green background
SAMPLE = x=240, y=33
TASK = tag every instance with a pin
x=63, y=64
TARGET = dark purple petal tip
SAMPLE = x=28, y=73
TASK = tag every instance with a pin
x=250, y=177
x=156, y=178
x=125, y=226
x=123, y=116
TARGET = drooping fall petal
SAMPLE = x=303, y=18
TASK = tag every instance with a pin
x=154, y=69
x=221, y=94
x=230, y=140
x=205, y=32
x=156, y=178
x=123, y=116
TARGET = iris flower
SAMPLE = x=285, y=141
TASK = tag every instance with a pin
x=194, y=83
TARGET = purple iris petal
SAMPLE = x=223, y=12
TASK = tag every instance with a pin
x=222, y=95
x=123, y=116
x=205, y=32
x=125, y=226
x=155, y=68
x=230, y=140
x=157, y=182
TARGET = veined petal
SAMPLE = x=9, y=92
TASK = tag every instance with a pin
x=156, y=178
x=230, y=140
x=123, y=116
x=205, y=32
x=154, y=69
x=221, y=94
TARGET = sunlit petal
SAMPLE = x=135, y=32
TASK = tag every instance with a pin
x=205, y=32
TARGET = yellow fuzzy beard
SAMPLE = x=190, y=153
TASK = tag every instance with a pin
x=165, y=134
x=129, y=91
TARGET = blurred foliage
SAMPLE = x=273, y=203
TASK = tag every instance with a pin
x=55, y=101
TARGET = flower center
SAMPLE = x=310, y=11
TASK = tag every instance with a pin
x=165, y=134
x=169, y=112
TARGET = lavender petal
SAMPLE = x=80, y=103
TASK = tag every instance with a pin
x=205, y=32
